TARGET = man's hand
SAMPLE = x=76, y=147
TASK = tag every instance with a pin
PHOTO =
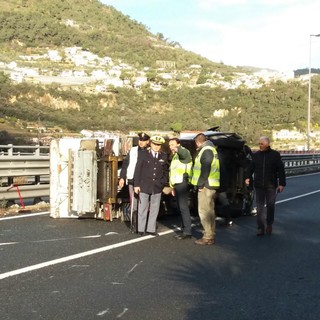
x=137, y=190
x=247, y=181
x=121, y=183
x=280, y=188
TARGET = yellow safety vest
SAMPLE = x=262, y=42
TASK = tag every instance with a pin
x=177, y=170
x=214, y=176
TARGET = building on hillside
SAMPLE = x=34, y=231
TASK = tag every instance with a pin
x=99, y=74
x=220, y=113
x=195, y=66
x=115, y=71
x=113, y=82
x=106, y=60
x=27, y=72
x=165, y=76
x=100, y=88
x=285, y=134
x=12, y=65
x=155, y=87
x=54, y=55
x=66, y=73
x=166, y=64
x=16, y=76
x=87, y=133
x=139, y=81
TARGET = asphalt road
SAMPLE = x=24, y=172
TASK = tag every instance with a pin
x=89, y=269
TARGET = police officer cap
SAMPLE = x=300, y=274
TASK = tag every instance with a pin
x=157, y=140
x=143, y=136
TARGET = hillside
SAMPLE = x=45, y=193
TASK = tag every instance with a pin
x=91, y=25
x=172, y=95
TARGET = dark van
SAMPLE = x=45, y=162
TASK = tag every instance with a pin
x=234, y=156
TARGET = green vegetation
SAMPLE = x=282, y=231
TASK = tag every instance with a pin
x=29, y=26
x=249, y=112
x=88, y=24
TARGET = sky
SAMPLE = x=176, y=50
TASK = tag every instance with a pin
x=272, y=34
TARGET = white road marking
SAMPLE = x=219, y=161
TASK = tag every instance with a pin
x=7, y=243
x=80, y=266
x=303, y=175
x=131, y=270
x=77, y=256
x=91, y=237
x=122, y=313
x=297, y=197
x=102, y=313
x=110, y=233
x=31, y=215
x=59, y=239
x=51, y=240
x=98, y=250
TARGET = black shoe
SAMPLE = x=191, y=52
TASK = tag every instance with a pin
x=141, y=234
x=183, y=236
x=178, y=234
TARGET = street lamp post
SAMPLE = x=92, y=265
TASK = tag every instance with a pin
x=309, y=92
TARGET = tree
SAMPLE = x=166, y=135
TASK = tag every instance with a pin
x=176, y=127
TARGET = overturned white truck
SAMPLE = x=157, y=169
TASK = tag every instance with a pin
x=84, y=176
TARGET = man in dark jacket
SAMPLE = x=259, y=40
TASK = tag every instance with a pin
x=150, y=177
x=269, y=178
x=180, y=173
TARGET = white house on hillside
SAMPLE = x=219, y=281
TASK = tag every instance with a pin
x=285, y=134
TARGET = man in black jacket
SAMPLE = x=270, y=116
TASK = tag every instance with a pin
x=269, y=178
x=150, y=177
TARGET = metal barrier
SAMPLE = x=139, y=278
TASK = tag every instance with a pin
x=11, y=150
x=301, y=163
x=25, y=170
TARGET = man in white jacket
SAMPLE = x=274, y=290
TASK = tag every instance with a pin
x=127, y=171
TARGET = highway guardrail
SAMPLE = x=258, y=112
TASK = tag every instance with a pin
x=300, y=163
x=25, y=170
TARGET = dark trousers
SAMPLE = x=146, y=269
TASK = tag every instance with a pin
x=133, y=198
x=222, y=198
x=133, y=208
x=182, y=196
x=265, y=197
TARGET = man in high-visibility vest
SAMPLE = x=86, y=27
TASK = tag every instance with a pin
x=179, y=175
x=206, y=178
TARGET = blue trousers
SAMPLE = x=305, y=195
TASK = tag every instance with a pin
x=265, y=200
